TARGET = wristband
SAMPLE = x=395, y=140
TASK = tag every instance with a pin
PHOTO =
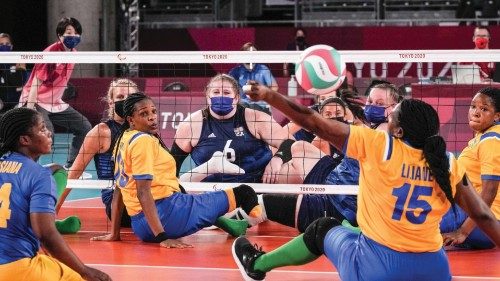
x=162, y=236
x=284, y=151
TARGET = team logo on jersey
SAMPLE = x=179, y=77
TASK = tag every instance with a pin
x=239, y=132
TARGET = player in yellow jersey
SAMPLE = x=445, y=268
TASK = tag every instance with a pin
x=481, y=160
x=407, y=183
x=145, y=177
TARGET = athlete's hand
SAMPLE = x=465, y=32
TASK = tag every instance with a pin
x=173, y=243
x=92, y=274
x=106, y=237
x=454, y=238
x=272, y=170
x=256, y=91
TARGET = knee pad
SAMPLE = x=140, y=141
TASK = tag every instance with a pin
x=245, y=197
x=314, y=236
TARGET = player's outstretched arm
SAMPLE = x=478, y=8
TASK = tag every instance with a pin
x=330, y=130
x=44, y=228
x=117, y=207
x=478, y=210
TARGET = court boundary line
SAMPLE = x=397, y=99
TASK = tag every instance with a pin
x=454, y=277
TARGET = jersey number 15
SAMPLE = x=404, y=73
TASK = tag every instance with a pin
x=414, y=204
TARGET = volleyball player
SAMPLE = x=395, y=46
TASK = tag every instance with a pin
x=228, y=142
x=145, y=177
x=99, y=143
x=481, y=159
x=27, y=200
x=407, y=183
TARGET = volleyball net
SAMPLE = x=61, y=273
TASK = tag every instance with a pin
x=176, y=81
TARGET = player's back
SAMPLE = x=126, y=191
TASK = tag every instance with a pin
x=400, y=203
x=25, y=187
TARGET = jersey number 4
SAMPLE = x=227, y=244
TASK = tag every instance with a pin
x=414, y=204
x=5, y=190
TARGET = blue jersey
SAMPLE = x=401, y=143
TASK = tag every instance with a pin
x=346, y=173
x=25, y=187
x=260, y=73
x=250, y=153
x=104, y=161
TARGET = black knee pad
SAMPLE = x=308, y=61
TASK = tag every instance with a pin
x=314, y=236
x=245, y=197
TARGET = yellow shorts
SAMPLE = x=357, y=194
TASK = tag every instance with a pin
x=40, y=267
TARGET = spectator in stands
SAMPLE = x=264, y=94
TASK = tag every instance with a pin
x=99, y=144
x=27, y=206
x=12, y=77
x=46, y=85
x=255, y=72
x=228, y=142
x=298, y=44
x=481, y=160
x=481, y=39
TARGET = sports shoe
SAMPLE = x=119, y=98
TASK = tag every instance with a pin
x=244, y=255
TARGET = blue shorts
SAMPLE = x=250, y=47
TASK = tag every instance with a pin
x=321, y=170
x=183, y=214
x=477, y=239
x=357, y=258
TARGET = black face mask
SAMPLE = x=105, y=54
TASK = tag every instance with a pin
x=119, y=108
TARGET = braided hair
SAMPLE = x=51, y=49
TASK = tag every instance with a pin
x=420, y=124
x=128, y=110
x=13, y=124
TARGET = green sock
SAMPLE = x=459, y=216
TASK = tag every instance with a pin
x=347, y=224
x=235, y=228
x=61, y=178
x=69, y=225
x=294, y=252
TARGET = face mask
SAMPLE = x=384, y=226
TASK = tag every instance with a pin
x=5, y=48
x=71, y=41
x=119, y=108
x=375, y=114
x=221, y=105
x=481, y=42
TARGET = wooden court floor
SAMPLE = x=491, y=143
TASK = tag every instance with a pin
x=211, y=258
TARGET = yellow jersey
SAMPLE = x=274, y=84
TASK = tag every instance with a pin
x=400, y=205
x=481, y=160
x=141, y=157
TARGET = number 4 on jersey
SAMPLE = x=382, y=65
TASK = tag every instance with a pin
x=5, y=190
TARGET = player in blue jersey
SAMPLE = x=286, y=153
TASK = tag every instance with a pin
x=407, y=183
x=227, y=142
x=27, y=201
x=315, y=166
x=99, y=143
x=146, y=184
x=481, y=159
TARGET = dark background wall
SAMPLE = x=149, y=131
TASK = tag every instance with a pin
x=26, y=22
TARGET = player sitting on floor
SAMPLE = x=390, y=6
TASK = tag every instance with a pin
x=398, y=211
x=146, y=184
